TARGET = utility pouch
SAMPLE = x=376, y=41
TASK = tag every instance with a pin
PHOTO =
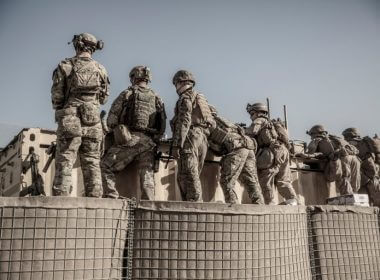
x=333, y=170
x=69, y=125
x=89, y=114
x=121, y=134
x=265, y=158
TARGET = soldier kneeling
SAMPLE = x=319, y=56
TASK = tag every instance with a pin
x=137, y=119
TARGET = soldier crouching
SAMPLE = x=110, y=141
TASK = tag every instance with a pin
x=80, y=85
x=238, y=159
x=137, y=119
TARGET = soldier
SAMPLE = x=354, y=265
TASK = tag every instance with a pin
x=342, y=165
x=191, y=126
x=238, y=159
x=369, y=167
x=272, y=157
x=137, y=119
x=80, y=85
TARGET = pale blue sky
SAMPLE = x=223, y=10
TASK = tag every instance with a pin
x=319, y=57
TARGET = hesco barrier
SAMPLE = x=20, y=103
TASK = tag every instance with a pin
x=84, y=238
x=217, y=241
x=345, y=242
x=64, y=238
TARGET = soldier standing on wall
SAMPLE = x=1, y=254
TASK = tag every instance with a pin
x=342, y=165
x=137, y=120
x=369, y=167
x=272, y=157
x=238, y=159
x=191, y=126
x=80, y=85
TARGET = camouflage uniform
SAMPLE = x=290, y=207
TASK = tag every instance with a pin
x=80, y=85
x=342, y=165
x=143, y=113
x=238, y=160
x=274, y=170
x=369, y=167
x=190, y=125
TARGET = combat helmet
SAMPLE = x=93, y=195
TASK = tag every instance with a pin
x=183, y=75
x=257, y=107
x=140, y=72
x=88, y=40
x=351, y=132
x=316, y=129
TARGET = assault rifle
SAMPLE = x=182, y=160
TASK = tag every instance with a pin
x=37, y=186
x=170, y=156
x=51, y=152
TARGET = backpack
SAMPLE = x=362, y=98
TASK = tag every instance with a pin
x=340, y=143
x=201, y=111
x=85, y=77
x=268, y=134
x=282, y=132
x=373, y=144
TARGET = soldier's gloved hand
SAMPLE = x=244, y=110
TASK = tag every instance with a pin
x=175, y=152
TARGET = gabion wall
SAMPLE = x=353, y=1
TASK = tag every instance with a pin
x=217, y=241
x=64, y=238
x=345, y=242
x=84, y=238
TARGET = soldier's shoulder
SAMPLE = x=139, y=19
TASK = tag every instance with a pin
x=260, y=121
x=126, y=93
x=65, y=65
x=101, y=68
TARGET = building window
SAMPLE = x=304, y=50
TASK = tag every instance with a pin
x=32, y=137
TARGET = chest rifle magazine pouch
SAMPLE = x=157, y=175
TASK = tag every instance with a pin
x=89, y=114
x=69, y=125
x=121, y=134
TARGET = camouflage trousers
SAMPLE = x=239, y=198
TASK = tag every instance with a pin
x=279, y=175
x=88, y=150
x=190, y=164
x=370, y=178
x=240, y=164
x=350, y=180
x=139, y=151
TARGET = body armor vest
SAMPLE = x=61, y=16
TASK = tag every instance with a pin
x=141, y=110
x=201, y=112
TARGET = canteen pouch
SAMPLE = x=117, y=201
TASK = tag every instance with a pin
x=333, y=170
x=89, y=114
x=265, y=158
x=69, y=125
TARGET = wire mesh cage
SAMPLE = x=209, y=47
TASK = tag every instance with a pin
x=218, y=241
x=345, y=242
x=64, y=238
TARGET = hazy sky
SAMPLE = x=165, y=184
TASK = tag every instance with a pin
x=319, y=57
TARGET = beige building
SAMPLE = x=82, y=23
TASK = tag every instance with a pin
x=12, y=180
x=309, y=184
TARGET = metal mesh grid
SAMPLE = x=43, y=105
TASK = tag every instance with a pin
x=346, y=243
x=63, y=243
x=199, y=245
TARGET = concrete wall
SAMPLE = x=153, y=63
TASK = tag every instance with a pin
x=309, y=185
